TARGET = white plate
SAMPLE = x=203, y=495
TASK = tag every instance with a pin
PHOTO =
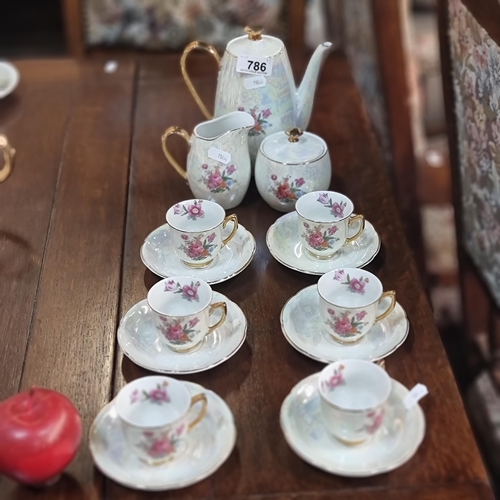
x=139, y=341
x=208, y=446
x=394, y=444
x=9, y=78
x=284, y=243
x=160, y=258
x=302, y=326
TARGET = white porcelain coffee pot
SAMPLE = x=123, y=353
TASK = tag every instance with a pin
x=255, y=76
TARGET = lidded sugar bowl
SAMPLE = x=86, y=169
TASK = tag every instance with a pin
x=290, y=164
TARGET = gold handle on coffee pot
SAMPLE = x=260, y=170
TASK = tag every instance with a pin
x=211, y=50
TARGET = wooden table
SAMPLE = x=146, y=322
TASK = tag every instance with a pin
x=91, y=182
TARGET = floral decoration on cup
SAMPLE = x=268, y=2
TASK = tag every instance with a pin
x=355, y=285
x=161, y=444
x=346, y=325
x=260, y=117
x=335, y=380
x=216, y=181
x=318, y=239
x=193, y=211
x=336, y=209
x=198, y=248
x=176, y=332
x=159, y=395
x=188, y=292
x=375, y=420
x=286, y=191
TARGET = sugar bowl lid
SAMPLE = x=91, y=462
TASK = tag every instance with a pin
x=293, y=147
x=255, y=44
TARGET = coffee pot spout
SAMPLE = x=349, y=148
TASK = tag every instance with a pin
x=305, y=93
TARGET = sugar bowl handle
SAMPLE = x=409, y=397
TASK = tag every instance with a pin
x=174, y=131
x=211, y=50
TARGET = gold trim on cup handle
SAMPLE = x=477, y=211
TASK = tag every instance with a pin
x=174, y=131
x=392, y=295
x=187, y=79
x=8, y=156
x=353, y=219
x=230, y=218
x=199, y=398
x=213, y=307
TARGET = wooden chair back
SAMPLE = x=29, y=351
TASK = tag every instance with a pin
x=470, y=55
x=375, y=41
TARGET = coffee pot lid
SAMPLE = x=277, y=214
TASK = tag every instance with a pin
x=293, y=147
x=255, y=44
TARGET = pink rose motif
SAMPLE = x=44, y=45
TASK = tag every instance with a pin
x=159, y=395
x=335, y=380
x=361, y=315
x=195, y=210
x=274, y=177
x=177, y=209
x=134, y=397
x=316, y=239
x=184, y=237
x=323, y=198
x=357, y=286
x=332, y=230
x=214, y=180
x=283, y=191
x=161, y=447
x=175, y=332
x=231, y=170
x=266, y=113
x=306, y=225
x=170, y=285
x=331, y=312
x=339, y=275
x=300, y=182
x=190, y=292
x=343, y=325
x=204, y=166
x=377, y=419
x=195, y=249
x=338, y=209
x=193, y=322
x=211, y=238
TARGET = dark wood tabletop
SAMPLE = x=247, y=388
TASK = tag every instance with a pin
x=90, y=182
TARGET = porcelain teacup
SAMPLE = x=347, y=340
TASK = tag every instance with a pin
x=353, y=397
x=325, y=218
x=154, y=414
x=197, y=227
x=348, y=302
x=183, y=307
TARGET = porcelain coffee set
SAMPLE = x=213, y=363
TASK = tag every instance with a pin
x=160, y=433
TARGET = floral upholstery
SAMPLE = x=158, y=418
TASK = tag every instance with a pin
x=171, y=24
x=476, y=80
x=360, y=44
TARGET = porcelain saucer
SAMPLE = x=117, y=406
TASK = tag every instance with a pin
x=208, y=446
x=284, y=243
x=139, y=341
x=394, y=444
x=9, y=78
x=160, y=258
x=302, y=327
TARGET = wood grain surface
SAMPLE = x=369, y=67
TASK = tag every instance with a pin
x=95, y=236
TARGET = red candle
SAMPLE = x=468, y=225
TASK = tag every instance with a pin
x=40, y=432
